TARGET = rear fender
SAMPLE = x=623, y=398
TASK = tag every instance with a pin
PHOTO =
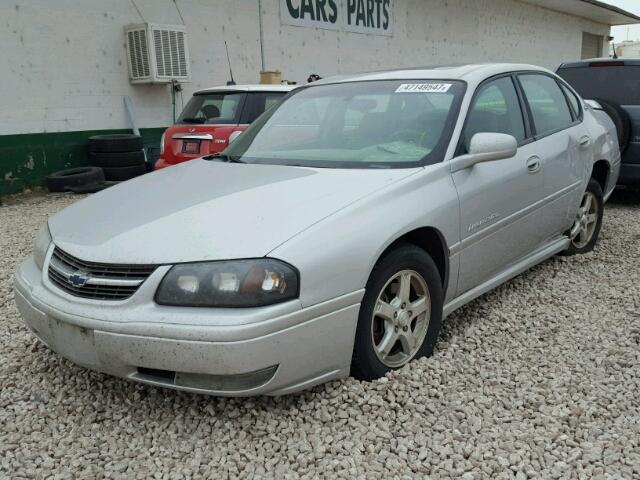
x=604, y=143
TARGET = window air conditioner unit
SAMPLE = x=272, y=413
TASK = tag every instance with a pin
x=157, y=53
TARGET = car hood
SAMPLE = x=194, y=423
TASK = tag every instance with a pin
x=208, y=210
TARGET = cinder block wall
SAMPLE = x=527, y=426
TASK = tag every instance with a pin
x=65, y=71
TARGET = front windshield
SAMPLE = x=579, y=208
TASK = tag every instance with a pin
x=373, y=124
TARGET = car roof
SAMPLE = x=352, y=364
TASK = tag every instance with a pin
x=621, y=62
x=474, y=73
x=247, y=88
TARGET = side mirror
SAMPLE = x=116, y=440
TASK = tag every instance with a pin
x=486, y=147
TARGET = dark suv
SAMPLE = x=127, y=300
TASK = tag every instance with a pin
x=615, y=85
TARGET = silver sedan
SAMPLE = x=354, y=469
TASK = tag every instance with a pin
x=331, y=238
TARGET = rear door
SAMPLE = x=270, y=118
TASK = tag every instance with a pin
x=564, y=146
x=498, y=212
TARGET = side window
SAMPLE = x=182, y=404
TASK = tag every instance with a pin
x=496, y=109
x=258, y=103
x=271, y=99
x=548, y=104
x=573, y=100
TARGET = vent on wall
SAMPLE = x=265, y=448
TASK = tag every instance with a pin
x=157, y=53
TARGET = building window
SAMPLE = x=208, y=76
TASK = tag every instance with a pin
x=592, y=45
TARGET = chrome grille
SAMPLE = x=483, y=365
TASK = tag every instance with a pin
x=97, y=281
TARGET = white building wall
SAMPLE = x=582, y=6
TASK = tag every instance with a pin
x=628, y=49
x=64, y=61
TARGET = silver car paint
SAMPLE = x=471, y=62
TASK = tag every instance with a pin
x=495, y=220
x=199, y=203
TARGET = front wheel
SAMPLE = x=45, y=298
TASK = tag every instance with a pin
x=588, y=221
x=400, y=314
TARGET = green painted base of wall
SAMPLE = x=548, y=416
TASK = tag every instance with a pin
x=25, y=160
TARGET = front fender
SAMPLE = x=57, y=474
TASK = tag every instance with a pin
x=337, y=255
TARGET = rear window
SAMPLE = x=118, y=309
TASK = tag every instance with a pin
x=217, y=108
x=617, y=83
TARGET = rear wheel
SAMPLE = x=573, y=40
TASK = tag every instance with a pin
x=400, y=315
x=588, y=222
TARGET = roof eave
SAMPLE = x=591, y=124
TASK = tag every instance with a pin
x=593, y=10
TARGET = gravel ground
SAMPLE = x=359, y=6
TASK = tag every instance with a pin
x=538, y=379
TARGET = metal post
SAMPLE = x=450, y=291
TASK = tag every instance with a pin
x=173, y=99
x=261, y=33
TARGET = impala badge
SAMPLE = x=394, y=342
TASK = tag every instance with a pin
x=483, y=222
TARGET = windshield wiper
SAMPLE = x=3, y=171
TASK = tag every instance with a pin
x=224, y=158
x=192, y=120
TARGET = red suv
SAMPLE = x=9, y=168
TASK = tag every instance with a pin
x=213, y=118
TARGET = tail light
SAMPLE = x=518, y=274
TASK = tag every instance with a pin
x=234, y=135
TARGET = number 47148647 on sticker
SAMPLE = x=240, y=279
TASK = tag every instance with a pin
x=423, y=88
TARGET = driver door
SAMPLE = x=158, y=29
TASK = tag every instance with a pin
x=498, y=211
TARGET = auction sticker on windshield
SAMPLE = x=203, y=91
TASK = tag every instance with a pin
x=424, y=88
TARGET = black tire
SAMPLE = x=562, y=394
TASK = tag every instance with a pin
x=576, y=248
x=63, y=180
x=365, y=364
x=621, y=120
x=119, y=174
x=115, y=143
x=93, y=187
x=123, y=159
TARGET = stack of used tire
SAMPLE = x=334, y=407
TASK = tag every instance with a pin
x=121, y=157
x=113, y=159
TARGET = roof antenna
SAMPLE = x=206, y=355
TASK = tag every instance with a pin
x=615, y=54
x=232, y=81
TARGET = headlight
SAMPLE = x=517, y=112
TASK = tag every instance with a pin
x=237, y=283
x=41, y=246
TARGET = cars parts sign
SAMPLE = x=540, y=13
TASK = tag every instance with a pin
x=359, y=16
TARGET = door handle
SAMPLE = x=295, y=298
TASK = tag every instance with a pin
x=534, y=164
x=585, y=141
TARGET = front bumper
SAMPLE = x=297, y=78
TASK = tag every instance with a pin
x=294, y=350
x=629, y=174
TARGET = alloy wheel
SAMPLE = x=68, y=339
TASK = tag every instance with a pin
x=586, y=221
x=401, y=318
